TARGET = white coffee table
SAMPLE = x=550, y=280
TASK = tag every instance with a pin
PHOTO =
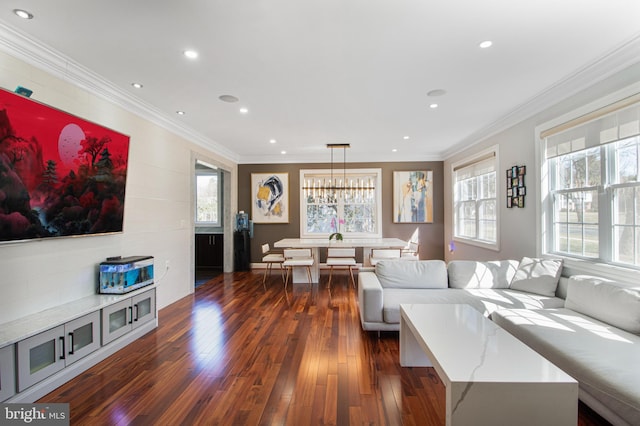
x=491, y=377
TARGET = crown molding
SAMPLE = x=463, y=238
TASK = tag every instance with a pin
x=39, y=55
x=623, y=56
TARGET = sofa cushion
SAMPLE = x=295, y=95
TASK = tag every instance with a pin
x=605, y=301
x=485, y=301
x=418, y=274
x=539, y=276
x=473, y=274
x=602, y=358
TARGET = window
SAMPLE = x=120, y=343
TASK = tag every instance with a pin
x=208, y=196
x=354, y=212
x=475, y=202
x=591, y=197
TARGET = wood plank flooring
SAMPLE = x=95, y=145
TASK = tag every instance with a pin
x=233, y=354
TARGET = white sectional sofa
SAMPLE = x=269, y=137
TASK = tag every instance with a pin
x=587, y=326
x=595, y=338
x=483, y=285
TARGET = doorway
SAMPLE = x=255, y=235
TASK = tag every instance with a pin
x=210, y=195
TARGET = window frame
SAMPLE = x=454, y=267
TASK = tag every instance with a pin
x=491, y=152
x=208, y=172
x=603, y=265
x=338, y=173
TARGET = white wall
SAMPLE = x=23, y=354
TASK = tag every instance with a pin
x=517, y=147
x=36, y=275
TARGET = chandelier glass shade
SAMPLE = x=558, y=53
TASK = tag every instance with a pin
x=338, y=186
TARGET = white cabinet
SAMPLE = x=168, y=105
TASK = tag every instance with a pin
x=120, y=318
x=7, y=372
x=46, y=353
x=42, y=351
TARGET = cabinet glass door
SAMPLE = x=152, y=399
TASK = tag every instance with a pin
x=116, y=320
x=83, y=336
x=144, y=308
x=40, y=356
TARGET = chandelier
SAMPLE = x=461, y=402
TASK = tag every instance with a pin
x=354, y=188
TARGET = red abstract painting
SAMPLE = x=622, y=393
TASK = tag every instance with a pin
x=60, y=175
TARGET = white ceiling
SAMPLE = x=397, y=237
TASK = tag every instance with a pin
x=313, y=72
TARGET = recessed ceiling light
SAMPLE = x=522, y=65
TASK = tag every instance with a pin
x=436, y=92
x=272, y=141
x=283, y=152
x=394, y=150
x=244, y=110
x=405, y=138
x=23, y=14
x=180, y=112
x=228, y=98
x=485, y=44
x=191, y=54
x=137, y=85
x=433, y=106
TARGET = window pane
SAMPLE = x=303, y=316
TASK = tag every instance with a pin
x=575, y=239
x=562, y=237
x=321, y=218
x=624, y=244
x=593, y=167
x=578, y=170
x=627, y=161
x=207, y=198
x=626, y=224
x=591, y=241
x=358, y=218
x=624, y=204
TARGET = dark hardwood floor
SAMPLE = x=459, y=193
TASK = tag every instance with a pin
x=231, y=354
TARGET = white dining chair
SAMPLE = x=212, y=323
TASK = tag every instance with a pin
x=296, y=258
x=341, y=257
x=378, y=254
x=410, y=252
x=270, y=258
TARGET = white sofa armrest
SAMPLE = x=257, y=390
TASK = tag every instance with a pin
x=370, y=297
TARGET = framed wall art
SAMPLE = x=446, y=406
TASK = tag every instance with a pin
x=413, y=196
x=516, y=189
x=270, y=197
x=60, y=175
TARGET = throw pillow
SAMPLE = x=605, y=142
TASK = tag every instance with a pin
x=476, y=274
x=539, y=276
x=605, y=301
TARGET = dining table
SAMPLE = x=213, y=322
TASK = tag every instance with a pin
x=316, y=243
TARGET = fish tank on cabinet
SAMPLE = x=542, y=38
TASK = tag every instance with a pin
x=124, y=274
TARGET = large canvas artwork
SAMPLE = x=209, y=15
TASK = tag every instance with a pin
x=60, y=175
x=413, y=197
x=270, y=197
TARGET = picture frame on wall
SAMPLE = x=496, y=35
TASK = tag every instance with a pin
x=270, y=197
x=413, y=196
x=516, y=189
x=60, y=175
